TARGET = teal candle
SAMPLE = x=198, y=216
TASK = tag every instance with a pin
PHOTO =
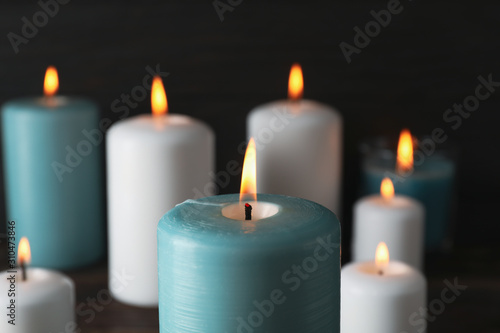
x=431, y=182
x=279, y=272
x=53, y=178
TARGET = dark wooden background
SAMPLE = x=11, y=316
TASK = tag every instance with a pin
x=424, y=61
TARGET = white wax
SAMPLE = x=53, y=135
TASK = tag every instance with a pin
x=381, y=303
x=299, y=150
x=154, y=163
x=398, y=221
x=45, y=302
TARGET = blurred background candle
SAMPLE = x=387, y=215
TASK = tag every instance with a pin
x=426, y=174
x=300, y=146
x=43, y=302
x=277, y=272
x=380, y=296
x=154, y=162
x=398, y=220
x=54, y=186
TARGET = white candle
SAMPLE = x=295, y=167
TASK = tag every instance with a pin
x=154, y=163
x=300, y=147
x=380, y=296
x=42, y=303
x=397, y=220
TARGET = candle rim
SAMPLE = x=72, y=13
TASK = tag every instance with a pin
x=308, y=219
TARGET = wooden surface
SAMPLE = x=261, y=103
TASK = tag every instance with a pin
x=475, y=310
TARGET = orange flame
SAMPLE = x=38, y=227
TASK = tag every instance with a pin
x=159, y=104
x=295, y=83
x=387, y=188
x=24, y=251
x=51, y=82
x=405, y=152
x=248, y=188
x=382, y=256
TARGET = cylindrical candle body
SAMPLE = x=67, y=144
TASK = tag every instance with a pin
x=299, y=148
x=278, y=274
x=382, y=303
x=431, y=182
x=53, y=177
x=397, y=221
x=44, y=303
x=153, y=164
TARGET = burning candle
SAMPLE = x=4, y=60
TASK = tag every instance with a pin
x=154, y=162
x=275, y=272
x=428, y=179
x=398, y=220
x=380, y=296
x=52, y=163
x=36, y=300
x=300, y=146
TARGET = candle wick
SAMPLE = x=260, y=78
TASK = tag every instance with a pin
x=23, y=270
x=248, y=212
x=380, y=272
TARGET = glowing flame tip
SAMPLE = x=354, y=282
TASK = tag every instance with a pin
x=159, y=105
x=387, y=188
x=248, y=189
x=24, y=251
x=295, y=83
x=51, y=82
x=381, y=256
x=405, y=152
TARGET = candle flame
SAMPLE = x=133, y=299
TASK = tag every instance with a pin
x=248, y=188
x=405, y=152
x=295, y=83
x=24, y=251
x=381, y=256
x=159, y=104
x=51, y=82
x=387, y=188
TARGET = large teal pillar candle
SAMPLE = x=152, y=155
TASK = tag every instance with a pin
x=53, y=179
x=431, y=182
x=279, y=272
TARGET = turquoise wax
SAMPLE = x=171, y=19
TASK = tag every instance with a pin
x=432, y=183
x=279, y=272
x=54, y=189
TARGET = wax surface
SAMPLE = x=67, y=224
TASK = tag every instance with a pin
x=44, y=303
x=153, y=164
x=382, y=303
x=63, y=218
x=299, y=150
x=278, y=274
x=432, y=184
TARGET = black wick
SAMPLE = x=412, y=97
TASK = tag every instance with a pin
x=248, y=212
x=23, y=270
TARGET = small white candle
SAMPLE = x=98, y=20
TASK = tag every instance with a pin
x=154, y=162
x=43, y=302
x=379, y=296
x=397, y=220
x=300, y=147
